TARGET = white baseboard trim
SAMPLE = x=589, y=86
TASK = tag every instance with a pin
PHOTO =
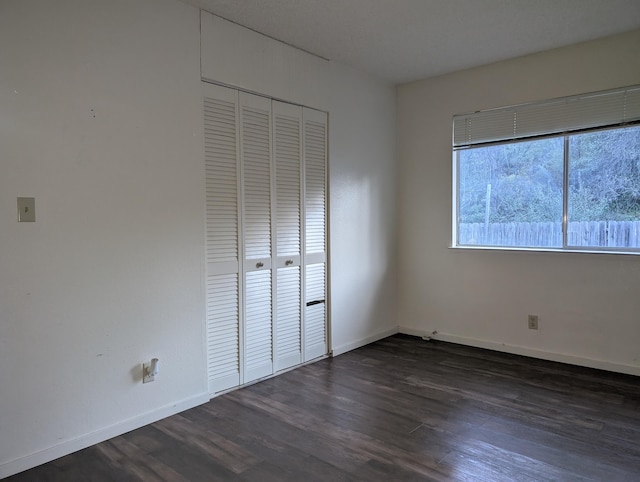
x=521, y=350
x=73, y=445
x=339, y=350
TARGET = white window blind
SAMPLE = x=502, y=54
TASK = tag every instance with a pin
x=568, y=114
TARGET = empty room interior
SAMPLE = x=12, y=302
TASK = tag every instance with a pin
x=338, y=240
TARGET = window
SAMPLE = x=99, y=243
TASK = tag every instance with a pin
x=562, y=174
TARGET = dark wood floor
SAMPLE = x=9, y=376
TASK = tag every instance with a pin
x=398, y=409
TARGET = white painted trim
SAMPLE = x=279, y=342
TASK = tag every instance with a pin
x=83, y=441
x=542, y=249
x=524, y=351
x=363, y=341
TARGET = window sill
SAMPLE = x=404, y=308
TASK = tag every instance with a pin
x=546, y=250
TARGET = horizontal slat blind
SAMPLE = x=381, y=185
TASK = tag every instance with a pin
x=567, y=114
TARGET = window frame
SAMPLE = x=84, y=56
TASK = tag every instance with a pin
x=565, y=133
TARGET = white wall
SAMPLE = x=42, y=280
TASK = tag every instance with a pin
x=101, y=121
x=361, y=164
x=588, y=304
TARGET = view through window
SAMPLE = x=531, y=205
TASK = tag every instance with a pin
x=516, y=194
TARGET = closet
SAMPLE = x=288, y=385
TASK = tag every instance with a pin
x=266, y=218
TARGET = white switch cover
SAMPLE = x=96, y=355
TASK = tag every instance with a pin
x=26, y=210
x=146, y=376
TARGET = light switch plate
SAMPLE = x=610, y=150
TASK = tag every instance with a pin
x=146, y=376
x=26, y=210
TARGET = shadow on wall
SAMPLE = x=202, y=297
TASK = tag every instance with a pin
x=362, y=297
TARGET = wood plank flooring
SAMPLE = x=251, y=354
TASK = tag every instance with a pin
x=398, y=409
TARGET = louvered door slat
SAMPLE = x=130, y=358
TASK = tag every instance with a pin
x=288, y=318
x=256, y=162
x=221, y=191
x=221, y=178
x=258, y=337
x=255, y=145
x=287, y=140
x=287, y=157
x=315, y=178
x=315, y=311
x=315, y=184
x=222, y=332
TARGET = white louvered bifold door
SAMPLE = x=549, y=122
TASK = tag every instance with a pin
x=315, y=335
x=255, y=145
x=223, y=283
x=287, y=142
x=266, y=242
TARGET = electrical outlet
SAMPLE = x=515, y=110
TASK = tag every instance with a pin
x=533, y=322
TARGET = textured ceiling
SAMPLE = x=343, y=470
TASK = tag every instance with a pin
x=406, y=40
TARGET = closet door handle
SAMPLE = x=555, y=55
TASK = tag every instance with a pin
x=259, y=264
x=288, y=262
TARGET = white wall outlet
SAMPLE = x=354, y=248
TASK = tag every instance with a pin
x=533, y=322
